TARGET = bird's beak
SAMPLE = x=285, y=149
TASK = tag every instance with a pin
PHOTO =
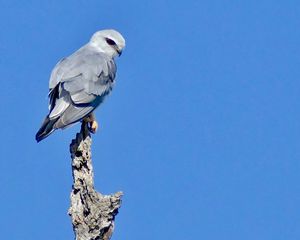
x=119, y=52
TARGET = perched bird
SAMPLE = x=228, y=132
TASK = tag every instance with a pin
x=79, y=83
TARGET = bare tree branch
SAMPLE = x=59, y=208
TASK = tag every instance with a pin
x=92, y=213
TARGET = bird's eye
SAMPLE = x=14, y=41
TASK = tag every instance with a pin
x=110, y=42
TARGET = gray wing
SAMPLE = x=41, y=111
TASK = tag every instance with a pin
x=78, y=84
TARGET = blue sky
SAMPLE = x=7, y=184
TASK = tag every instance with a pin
x=201, y=131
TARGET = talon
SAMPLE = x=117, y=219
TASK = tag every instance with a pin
x=92, y=123
x=93, y=126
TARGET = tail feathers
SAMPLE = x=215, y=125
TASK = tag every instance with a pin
x=46, y=129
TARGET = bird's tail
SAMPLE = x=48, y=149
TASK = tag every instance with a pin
x=46, y=129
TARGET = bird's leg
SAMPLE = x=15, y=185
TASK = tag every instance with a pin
x=91, y=120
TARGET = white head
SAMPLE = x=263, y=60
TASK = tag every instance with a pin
x=108, y=41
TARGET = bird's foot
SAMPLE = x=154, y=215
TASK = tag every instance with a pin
x=92, y=123
x=93, y=126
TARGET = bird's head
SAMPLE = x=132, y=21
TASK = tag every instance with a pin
x=108, y=41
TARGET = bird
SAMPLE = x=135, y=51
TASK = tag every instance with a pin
x=80, y=82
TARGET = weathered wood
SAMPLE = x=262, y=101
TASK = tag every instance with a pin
x=92, y=213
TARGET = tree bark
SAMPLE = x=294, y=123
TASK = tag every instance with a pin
x=92, y=213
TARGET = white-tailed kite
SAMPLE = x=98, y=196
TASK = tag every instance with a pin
x=80, y=82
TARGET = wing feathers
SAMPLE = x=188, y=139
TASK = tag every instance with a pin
x=78, y=84
x=82, y=98
x=71, y=115
x=60, y=107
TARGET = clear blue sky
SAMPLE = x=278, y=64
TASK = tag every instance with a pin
x=201, y=131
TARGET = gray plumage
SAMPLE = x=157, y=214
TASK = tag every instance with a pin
x=80, y=82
